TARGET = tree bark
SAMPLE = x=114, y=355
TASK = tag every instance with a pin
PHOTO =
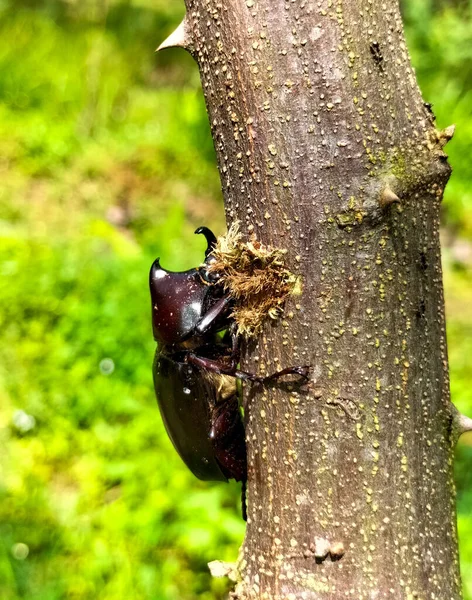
x=326, y=149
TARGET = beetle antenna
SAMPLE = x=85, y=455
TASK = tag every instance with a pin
x=210, y=238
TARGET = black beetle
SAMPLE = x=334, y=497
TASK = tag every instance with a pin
x=195, y=369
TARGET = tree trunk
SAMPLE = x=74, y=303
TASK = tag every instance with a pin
x=326, y=149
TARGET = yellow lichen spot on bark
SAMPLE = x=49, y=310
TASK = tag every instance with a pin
x=359, y=432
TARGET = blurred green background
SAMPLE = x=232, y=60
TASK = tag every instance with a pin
x=106, y=162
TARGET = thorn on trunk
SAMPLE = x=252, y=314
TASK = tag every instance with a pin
x=219, y=568
x=336, y=551
x=320, y=548
x=446, y=134
x=388, y=197
x=464, y=423
x=460, y=424
x=179, y=38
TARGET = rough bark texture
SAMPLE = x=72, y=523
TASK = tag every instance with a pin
x=326, y=149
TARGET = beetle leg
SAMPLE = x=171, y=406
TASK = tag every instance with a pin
x=235, y=343
x=219, y=309
x=301, y=371
x=227, y=437
x=220, y=367
x=232, y=370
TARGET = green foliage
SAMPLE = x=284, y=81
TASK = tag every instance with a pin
x=93, y=487
x=106, y=163
x=439, y=36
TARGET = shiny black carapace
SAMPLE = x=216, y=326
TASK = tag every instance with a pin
x=195, y=369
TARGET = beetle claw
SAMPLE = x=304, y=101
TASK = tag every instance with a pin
x=303, y=371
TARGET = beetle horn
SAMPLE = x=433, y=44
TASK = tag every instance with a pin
x=157, y=272
x=210, y=238
x=156, y=265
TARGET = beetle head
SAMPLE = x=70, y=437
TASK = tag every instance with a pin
x=177, y=303
x=178, y=298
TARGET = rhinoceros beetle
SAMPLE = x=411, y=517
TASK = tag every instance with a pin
x=195, y=369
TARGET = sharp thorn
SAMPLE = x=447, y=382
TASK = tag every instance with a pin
x=388, y=197
x=448, y=133
x=179, y=38
x=445, y=135
x=461, y=423
x=464, y=423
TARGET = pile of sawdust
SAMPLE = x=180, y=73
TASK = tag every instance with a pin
x=255, y=276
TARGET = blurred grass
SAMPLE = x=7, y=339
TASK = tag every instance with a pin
x=106, y=162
